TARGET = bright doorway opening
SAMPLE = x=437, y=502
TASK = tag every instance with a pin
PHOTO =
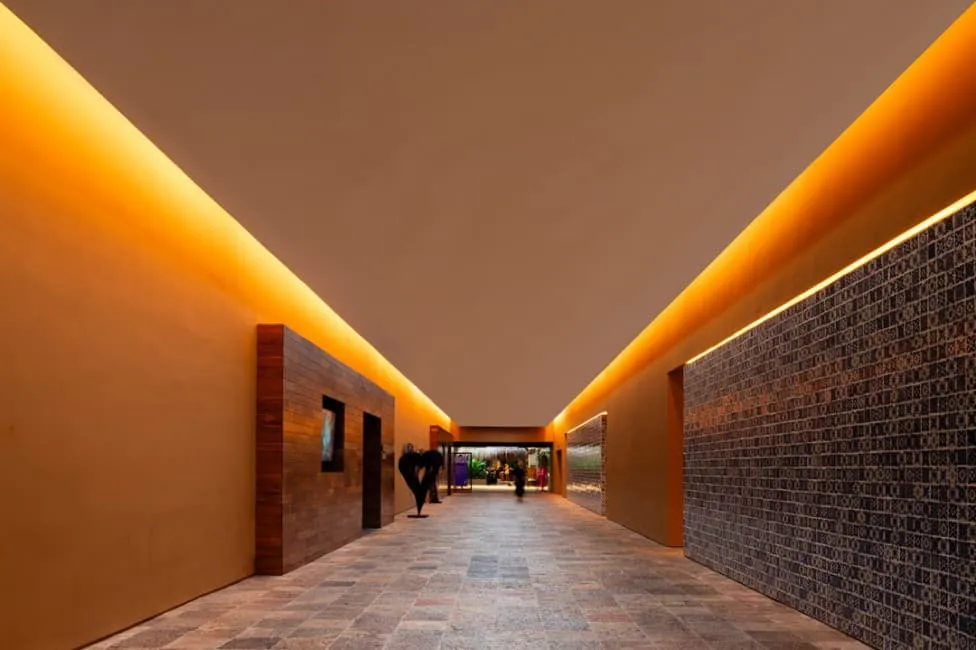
x=492, y=468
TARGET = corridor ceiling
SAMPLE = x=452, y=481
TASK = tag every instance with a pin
x=498, y=194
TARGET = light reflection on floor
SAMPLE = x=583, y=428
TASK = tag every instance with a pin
x=501, y=487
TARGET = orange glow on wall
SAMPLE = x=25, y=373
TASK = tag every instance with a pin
x=125, y=169
x=587, y=421
x=932, y=102
x=942, y=214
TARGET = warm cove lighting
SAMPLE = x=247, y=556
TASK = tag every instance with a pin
x=941, y=215
x=67, y=144
x=583, y=424
x=908, y=152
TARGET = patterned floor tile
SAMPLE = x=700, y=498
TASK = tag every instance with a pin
x=487, y=572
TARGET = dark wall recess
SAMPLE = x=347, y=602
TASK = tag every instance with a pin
x=302, y=511
x=830, y=453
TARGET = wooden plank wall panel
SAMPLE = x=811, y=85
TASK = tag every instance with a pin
x=319, y=512
x=268, y=492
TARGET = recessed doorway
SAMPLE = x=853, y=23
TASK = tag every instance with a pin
x=372, y=471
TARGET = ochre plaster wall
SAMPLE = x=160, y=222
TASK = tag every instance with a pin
x=907, y=157
x=127, y=382
x=643, y=446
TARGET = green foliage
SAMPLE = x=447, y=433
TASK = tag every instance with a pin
x=477, y=468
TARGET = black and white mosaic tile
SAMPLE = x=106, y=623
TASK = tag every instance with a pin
x=586, y=464
x=830, y=453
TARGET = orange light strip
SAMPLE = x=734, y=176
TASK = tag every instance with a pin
x=53, y=123
x=916, y=121
x=941, y=215
x=585, y=422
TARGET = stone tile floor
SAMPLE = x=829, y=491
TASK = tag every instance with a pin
x=486, y=571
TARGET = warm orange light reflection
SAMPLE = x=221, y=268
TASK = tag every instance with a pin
x=65, y=143
x=944, y=213
x=926, y=108
x=585, y=422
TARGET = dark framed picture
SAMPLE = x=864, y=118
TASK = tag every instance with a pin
x=332, y=432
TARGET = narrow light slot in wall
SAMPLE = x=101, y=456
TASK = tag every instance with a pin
x=884, y=248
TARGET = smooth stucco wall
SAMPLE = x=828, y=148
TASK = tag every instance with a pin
x=127, y=381
x=907, y=157
x=642, y=457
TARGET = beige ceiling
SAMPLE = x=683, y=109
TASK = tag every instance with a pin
x=498, y=194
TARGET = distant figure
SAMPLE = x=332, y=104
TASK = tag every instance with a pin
x=542, y=478
x=519, y=472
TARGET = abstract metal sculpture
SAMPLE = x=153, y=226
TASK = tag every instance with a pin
x=410, y=465
x=433, y=464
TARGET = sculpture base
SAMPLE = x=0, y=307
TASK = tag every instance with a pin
x=417, y=516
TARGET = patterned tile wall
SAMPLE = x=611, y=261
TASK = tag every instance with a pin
x=586, y=464
x=830, y=453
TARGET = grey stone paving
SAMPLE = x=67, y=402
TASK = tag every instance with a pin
x=486, y=572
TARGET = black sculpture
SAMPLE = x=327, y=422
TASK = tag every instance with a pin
x=410, y=465
x=433, y=464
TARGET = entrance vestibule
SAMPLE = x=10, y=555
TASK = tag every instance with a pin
x=488, y=467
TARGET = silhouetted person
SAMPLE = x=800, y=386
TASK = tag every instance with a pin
x=434, y=463
x=519, y=473
x=433, y=497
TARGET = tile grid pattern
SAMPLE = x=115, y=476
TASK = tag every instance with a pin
x=551, y=576
x=586, y=447
x=830, y=453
